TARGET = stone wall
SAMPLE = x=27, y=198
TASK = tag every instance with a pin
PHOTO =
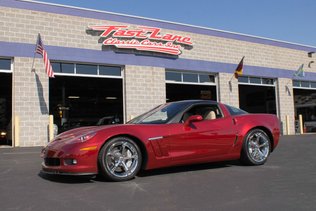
x=30, y=101
x=228, y=89
x=286, y=104
x=145, y=88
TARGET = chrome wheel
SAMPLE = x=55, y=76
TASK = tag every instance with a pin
x=258, y=146
x=120, y=159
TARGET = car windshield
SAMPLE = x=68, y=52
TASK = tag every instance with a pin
x=160, y=114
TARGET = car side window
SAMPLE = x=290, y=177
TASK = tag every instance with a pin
x=208, y=112
x=235, y=111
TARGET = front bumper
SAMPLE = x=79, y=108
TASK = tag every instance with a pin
x=67, y=174
x=70, y=159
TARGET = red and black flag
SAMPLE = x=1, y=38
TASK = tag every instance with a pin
x=40, y=50
x=239, y=69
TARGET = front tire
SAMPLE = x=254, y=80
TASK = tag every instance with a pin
x=120, y=159
x=256, y=148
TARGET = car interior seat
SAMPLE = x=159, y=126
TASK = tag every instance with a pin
x=210, y=115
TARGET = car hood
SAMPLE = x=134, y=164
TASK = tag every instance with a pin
x=77, y=132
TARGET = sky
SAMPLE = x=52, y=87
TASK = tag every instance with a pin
x=287, y=20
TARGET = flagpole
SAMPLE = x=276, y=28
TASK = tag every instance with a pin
x=33, y=69
x=232, y=77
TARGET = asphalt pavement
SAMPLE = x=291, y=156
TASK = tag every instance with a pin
x=286, y=182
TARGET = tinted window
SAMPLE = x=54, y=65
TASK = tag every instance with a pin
x=243, y=79
x=235, y=111
x=56, y=67
x=86, y=69
x=108, y=70
x=161, y=114
x=187, y=77
x=63, y=67
x=304, y=84
x=207, y=79
x=296, y=83
x=67, y=68
x=208, y=112
x=267, y=81
x=5, y=64
x=172, y=76
x=255, y=80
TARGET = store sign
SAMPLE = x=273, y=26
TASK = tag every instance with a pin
x=142, y=38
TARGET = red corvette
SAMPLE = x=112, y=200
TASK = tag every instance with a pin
x=177, y=133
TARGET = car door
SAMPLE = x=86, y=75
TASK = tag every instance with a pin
x=204, y=140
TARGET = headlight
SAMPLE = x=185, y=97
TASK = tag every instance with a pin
x=86, y=136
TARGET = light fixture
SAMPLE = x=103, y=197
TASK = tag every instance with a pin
x=111, y=98
x=310, y=64
x=73, y=97
x=310, y=54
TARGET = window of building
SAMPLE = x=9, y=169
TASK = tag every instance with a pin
x=109, y=70
x=184, y=85
x=256, y=80
x=87, y=69
x=304, y=84
x=256, y=95
x=5, y=64
x=63, y=68
x=188, y=77
x=304, y=93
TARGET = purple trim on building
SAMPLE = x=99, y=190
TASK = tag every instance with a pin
x=147, y=22
x=109, y=57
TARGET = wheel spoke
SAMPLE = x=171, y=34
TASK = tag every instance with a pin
x=123, y=151
x=131, y=157
x=115, y=167
x=257, y=138
x=263, y=145
x=126, y=169
x=260, y=154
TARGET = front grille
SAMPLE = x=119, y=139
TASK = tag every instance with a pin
x=52, y=161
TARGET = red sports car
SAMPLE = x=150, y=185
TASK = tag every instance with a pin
x=176, y=133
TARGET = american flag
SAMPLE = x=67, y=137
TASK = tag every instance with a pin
x=40, y=50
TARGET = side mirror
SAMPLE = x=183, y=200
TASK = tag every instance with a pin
x=194, y=118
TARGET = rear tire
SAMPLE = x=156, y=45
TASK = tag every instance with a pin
x=120, y=159
x=256, y=148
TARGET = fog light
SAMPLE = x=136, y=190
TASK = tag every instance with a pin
x=69, y=162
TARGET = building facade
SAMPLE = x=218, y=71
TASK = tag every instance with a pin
x=112, y=67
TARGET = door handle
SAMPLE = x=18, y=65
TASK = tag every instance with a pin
x=234, y=121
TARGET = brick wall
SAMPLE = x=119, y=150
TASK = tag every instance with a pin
x=286, y=104
x=145, y=88
x=30, y=101
x=228, y=89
